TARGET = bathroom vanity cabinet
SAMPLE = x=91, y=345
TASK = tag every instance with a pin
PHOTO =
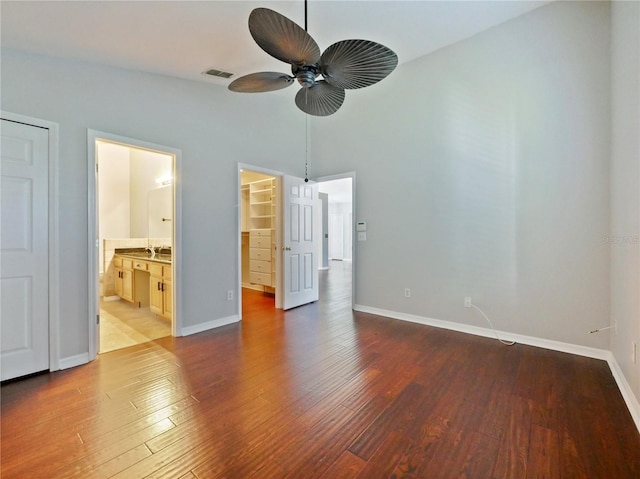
x=160, y=289
x=124, y=278
x=144, y=282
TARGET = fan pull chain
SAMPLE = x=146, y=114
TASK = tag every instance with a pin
x=306, y=149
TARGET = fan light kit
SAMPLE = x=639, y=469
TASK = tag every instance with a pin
x=348, y=64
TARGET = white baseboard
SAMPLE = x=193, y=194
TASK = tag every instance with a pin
x=73, y=361
x=623, y=385
x=625, y=389
x=216, y=323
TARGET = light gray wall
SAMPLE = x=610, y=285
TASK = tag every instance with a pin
x=483, y=171
x=624, y=240
x=209, y=124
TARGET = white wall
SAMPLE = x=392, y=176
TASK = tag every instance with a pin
x=209, y=124
x=344, y=212
x=340, y=203
x=113, y=189
x=624, y=239
x=483, y=171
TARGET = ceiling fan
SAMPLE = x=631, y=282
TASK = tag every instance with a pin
x=347, y=64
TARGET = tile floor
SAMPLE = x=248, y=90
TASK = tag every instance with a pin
x=122, y=325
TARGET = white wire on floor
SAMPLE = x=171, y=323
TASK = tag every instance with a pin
x=508, y=343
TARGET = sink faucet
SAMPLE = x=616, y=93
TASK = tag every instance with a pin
x=151, y=250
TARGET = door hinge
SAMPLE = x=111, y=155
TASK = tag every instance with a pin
x=97, y=319
x=96, y=168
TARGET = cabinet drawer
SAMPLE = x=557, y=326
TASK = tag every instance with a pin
x=260, y=278
x=260, y=232
x=141, y=265
x=260, y=241
x=155, y=269
x=260, y=253
x=260, y=266
x=127, y=263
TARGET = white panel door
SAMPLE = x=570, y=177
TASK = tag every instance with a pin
x=301, y=242
x=24, y=283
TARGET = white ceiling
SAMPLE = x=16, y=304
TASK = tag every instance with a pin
x=184, y=38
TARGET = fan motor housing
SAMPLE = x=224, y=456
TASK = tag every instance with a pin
x=306, y=75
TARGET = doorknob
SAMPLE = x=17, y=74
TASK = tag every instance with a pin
x=286, y=248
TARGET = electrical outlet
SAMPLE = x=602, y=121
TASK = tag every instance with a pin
x=467, y=301
x=230, y=295
x=407, y=293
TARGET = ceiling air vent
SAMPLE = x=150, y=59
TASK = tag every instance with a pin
x=218, y=73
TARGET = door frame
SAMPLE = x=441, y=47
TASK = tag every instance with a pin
x=93, y=239
x=340, y=176
x=54, y=248
x=278, y=176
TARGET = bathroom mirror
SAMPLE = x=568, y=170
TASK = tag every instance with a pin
x=161, y=212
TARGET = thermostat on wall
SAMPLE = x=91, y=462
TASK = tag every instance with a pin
x=361, y=226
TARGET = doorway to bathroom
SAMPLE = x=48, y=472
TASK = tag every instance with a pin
x=135, y=243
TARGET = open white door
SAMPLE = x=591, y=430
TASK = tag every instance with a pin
x=300, y=242
x=24, y=318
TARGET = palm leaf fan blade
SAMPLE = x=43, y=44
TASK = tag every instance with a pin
x=322, y=99
x=355, y=64
x=282, y=39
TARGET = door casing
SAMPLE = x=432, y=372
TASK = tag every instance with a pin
x=354, y=215
x=278, y=175
x=53, y=243
x=93, y=270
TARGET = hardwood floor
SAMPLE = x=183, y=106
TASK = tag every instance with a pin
x=321, y=392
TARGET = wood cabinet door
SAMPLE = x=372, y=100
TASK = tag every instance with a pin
x=118, y=281
x=168, y=299
x=155, y=294
x=127, y=284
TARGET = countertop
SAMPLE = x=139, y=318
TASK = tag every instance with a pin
x=145, y=255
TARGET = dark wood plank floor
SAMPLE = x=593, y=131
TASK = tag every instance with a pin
x=321, y=392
